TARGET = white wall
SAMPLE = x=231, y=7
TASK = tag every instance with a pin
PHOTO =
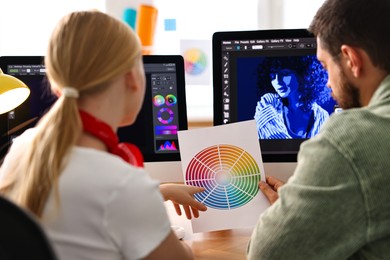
x=26, y=25
x=299, y=13
x=286, y=14
x=270, y=14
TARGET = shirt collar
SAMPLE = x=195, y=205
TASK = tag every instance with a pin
x=382, y=92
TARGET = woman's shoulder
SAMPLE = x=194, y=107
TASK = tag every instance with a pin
x=98, y=172
x=103, y=164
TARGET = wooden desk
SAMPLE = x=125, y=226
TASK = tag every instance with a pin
x=226, y=244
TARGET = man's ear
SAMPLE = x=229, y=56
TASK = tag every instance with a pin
x=353, y=59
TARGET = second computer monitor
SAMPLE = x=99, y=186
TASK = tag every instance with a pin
x=273, y=77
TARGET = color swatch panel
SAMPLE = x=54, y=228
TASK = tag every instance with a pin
x=229, y=174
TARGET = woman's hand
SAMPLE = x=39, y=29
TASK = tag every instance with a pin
x=181, y=194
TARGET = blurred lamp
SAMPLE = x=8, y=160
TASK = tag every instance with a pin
x=13, y=92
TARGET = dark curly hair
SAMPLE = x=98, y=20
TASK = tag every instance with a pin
x=311, y=77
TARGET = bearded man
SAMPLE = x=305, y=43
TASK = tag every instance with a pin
x=337, y=203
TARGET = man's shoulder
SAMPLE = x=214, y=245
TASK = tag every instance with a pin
x=351, y=120
x=355, y=129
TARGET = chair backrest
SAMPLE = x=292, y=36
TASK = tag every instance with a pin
x=21, y=236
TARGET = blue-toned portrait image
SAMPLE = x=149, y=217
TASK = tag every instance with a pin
x=292, y=100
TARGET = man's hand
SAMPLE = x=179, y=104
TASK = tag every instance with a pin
x=270, y=188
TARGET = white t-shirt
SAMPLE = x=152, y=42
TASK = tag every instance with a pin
x=108, y=209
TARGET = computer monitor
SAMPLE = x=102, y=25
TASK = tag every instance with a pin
x=273, y=77
x=162, y=115
x=31, y=71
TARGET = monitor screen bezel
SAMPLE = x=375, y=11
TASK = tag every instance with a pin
x=218, y=38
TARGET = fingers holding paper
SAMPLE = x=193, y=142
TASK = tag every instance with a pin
x=270, y=188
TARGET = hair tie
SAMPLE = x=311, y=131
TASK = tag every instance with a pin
x=70, y=92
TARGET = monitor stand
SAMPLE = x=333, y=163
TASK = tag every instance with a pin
x=169, y=171
x=280, y=170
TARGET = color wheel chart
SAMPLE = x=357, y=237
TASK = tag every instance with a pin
x=195, y=61
x=229, y=174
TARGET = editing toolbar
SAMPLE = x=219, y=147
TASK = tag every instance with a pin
x=19, y=70
x=269, y=44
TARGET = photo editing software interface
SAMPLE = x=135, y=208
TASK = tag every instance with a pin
x=164, y=92
x=274, y=78
x=155, y=129
x=163, y=113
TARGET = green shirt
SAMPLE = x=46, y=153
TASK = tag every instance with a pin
x=337, y=203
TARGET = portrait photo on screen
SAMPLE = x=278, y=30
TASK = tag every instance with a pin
x=286, y=95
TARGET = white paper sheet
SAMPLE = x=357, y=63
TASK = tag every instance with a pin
x=226, y=160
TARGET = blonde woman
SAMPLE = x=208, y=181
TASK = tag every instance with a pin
x=70, y=171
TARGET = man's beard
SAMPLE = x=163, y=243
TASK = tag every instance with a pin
x=349, y=94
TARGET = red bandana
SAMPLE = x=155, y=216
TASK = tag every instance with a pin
x=128, y=152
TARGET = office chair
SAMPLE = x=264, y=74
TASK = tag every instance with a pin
x=21, y=237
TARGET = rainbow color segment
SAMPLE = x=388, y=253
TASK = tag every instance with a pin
x=229, y=174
